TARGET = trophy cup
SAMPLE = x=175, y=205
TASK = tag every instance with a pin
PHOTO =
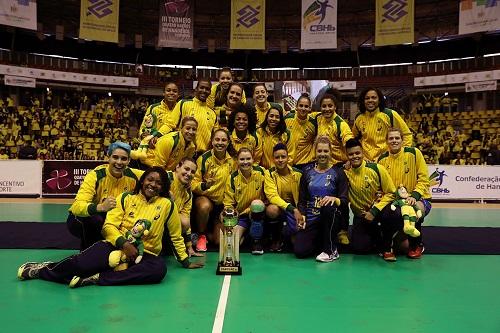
x=229, y=247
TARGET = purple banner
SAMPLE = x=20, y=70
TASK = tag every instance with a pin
x=176, y=24
x=63, y=178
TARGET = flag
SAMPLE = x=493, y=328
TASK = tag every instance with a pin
x=248, y=24
x=18, y=13
x=394, y=22
x=176, y=24
x=99, y=20
x=319, y=24
x=478, y=15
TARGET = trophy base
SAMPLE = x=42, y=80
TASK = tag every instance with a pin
x=228, y=270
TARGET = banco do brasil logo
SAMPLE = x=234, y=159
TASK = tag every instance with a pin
x=394, y=10
x=99, y=8
x=247, y=16
x=59, y=180
x=315, y=15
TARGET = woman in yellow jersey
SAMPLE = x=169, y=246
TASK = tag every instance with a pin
x=213, y=169
x=303, y=129
x=233, y=100
x=245, y=193
x=373, y=121
x=262, y=106
x=241, y=126
x=219, y=91
x=163, y=112
x=148, y=203
x=171, y=148
x=333, y=126
x=407, y=166
x=282, y=190
x=272, y=131
x=97, y=194
x=181, y=180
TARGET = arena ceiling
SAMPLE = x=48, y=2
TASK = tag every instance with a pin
x=436, y=27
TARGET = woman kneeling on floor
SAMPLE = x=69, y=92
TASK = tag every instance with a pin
x=149, y=201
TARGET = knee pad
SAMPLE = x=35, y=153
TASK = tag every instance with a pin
x=256, y=229
x=257, y=206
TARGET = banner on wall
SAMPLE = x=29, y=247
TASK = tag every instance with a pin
x=176, y=24
x=394, y=22
x=44, y=74
x=319, y=24
x=18, y=13
x=19, y=81
x=20, y=177
x=63, y=178
x=99, y=20
x=248, y=25
x=480, y=86
x=464, y=182
x=478, y=15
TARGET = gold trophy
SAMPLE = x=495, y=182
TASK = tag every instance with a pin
x=229, y=247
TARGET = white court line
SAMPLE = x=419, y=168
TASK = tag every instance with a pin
x=221, y=308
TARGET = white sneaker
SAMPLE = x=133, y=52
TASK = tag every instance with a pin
x=325, y=257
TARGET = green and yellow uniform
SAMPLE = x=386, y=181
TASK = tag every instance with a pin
x=303, y=134
x=241, y=191
x=269, y=140
x=100, y=184
x=213, y=91
x=408, y=167
x=283, y=191
x=261, y=112
x=161, y=212
x=205, y=117
x=250, y=141
x=211, y=167
x=338, y=131
x=372, y=127
x=364, y=183
x=166, y=119
x=169, y=151
x=183, y=199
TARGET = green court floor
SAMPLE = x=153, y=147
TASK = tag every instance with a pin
x=276, y=293
x=442, y=217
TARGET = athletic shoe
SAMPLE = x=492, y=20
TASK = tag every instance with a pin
x=31, y=270
x=276, y=246
x=77, y=281
x=201, y=244
x=343, y=238
x=389, y=256
x=416, y=253
x=257, y=248
x=325, y=257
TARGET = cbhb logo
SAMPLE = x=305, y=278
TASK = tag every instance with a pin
x=437, y=178
x=317, y=12
x=100, y=8
x=248, y=16
x=59, y=180
x=394, y=10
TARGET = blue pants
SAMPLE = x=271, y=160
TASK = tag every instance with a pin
x=151, y=269
x=320, y=233
x=88, y=229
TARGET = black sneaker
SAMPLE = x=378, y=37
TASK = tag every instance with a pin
x=77, y=281
x=31, y=270
x=257, y=248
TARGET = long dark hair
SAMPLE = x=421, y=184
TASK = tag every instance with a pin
x=165, y=182
x=221, y=94
x=361, y=99
x=251, y=115
x=281, y=125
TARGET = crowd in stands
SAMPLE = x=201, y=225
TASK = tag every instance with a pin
x=82, y=126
